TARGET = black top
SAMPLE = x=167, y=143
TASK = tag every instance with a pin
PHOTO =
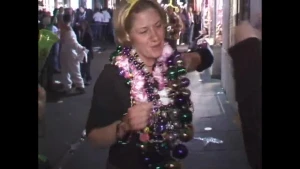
x=110, y=101
x=86, y=40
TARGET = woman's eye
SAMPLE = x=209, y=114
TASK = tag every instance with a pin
x=143, y=32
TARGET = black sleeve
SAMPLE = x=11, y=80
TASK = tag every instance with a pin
x=108, y=99
x=247, y=63
x=207, y=58
x=88, y=43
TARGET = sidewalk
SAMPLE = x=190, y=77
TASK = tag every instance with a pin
x=213, y=117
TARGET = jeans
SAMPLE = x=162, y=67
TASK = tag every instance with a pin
x=56, y=56
x=97, y=30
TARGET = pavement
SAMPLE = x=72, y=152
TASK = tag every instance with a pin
x=213, y=117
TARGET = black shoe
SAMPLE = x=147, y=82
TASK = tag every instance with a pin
x=64, y=91
x=80, y=89
x=57, y=71
x=88, y=82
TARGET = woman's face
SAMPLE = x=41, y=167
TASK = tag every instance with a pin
x=147, y=33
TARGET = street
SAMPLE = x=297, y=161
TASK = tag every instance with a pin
x=213, y=117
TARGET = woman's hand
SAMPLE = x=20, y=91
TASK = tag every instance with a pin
x=41, y=101
x=191, y=61
x=137, y=116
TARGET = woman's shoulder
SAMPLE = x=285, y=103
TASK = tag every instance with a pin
x=110, y=70
x=111, y=81
x=110, y=76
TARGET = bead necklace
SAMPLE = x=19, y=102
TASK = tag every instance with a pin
x=161, y=142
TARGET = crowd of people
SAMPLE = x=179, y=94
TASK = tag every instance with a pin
x=90, y=26
x=77, y=30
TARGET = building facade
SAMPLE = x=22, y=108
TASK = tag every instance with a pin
x=234, y=11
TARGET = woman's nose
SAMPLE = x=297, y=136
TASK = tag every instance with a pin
x=154, y=35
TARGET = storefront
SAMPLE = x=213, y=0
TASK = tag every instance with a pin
x=111, y=4
x=234, y=11
x=212, y=18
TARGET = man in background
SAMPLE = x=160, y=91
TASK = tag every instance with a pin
x=174, y=26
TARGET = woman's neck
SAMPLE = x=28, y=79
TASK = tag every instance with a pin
x=149, y=62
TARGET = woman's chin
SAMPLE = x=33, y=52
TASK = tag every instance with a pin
x=156, y=53
x=156, y=56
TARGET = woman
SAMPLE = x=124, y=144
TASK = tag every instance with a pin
x=71, y=54
x=134, y=87
x=85, y=39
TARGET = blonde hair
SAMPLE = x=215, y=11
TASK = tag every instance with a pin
x=123, y=17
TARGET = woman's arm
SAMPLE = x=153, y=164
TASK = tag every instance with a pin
x=198, y=60
x=105, y=136
x=106, y=111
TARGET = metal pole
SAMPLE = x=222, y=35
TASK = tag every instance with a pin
x=214, y=22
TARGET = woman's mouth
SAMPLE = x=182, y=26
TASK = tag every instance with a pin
x=156, y=46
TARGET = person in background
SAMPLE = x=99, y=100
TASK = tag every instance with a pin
x=70, y=57
x=190, y=26
x=183, y=16
x=86, y=40
x=106, y=20
x=197, y=24
x=174, y=26
x=80, y=15
x=110, y=26
x=60, y=15
x=52, y=62
x=247, y=63
x=97, y=26
x=41, y=102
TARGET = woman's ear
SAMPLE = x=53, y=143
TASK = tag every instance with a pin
x=127, y=37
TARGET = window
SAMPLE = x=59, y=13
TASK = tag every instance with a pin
x=89, y=4
x=74, y=4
